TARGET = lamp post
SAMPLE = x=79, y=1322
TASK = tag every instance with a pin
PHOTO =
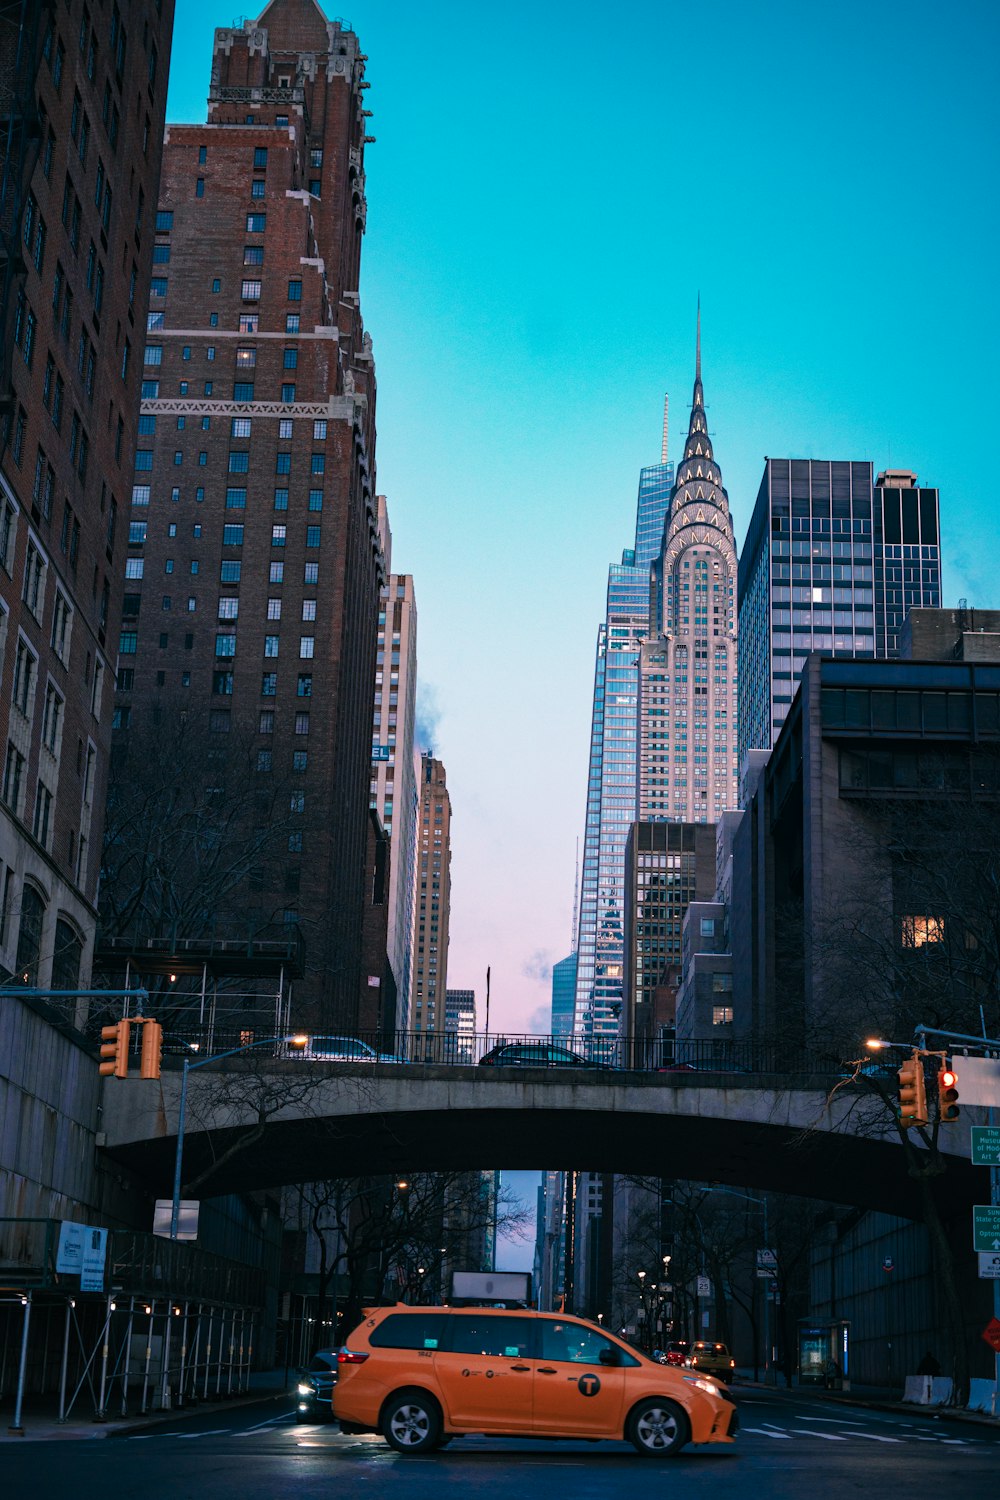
x=762, y=1204
x=189, y=1067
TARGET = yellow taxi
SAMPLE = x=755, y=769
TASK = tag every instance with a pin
x=423, y=1375
x=712, y=1359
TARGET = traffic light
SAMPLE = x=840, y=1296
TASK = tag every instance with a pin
x=947, y=1096
x=114, y=1050
x=912, y=1093
x=152, y=1047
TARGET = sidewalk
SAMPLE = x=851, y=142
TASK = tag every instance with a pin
x=39, y=1415
x=875, y=1398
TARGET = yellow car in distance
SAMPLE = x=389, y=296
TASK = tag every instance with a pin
x=709, y=1358
x=423, y=1375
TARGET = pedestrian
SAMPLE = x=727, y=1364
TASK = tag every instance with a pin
x=928, y=1365
x=831, y=1374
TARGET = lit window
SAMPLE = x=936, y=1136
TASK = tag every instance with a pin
x=921, y=932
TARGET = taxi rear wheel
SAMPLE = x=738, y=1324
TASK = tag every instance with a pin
x=657, y=1427
x=411, y=1422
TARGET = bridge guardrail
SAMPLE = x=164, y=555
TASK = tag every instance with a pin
x=601, y=1056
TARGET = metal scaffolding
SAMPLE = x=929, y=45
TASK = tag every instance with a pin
x=176, y=1326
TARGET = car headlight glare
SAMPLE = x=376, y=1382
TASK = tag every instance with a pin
x=703, y=1385
x=305, y=1390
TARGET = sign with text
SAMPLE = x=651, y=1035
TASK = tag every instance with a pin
x=985, y=1145
x=986, y=1226
x=991, y=1333
x=69, y=1255
x=95, y=1246
x=989, y=1266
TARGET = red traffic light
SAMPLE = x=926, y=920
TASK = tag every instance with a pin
x=947, y=1095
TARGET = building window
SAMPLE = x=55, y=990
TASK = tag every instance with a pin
x=269, y=684
x=265, y=724
x=232, y=536
x=278, y=536
x=250, y=291
x=302, y=723
x=270, y=645
x=312, y=536
x=294, y=291
x=277, y=572
x=921, y=932
x=307, y=644
x=722, y=1015
x=305, y=685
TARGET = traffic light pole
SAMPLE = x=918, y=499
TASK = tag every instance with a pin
x=921, y=1033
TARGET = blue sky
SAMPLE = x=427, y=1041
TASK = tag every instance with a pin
x=549, y=191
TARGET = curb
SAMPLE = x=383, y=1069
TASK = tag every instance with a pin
x=50, y=1430
x=875, y=1403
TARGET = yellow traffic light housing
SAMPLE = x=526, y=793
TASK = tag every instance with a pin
x=947, y=1081
x=912, y=1093
x=152, y=1048
x=114, y=1050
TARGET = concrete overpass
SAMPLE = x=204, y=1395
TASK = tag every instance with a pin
x=265, y=1123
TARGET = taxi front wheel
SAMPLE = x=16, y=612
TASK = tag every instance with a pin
x=411, y=1422
x=658, y=1427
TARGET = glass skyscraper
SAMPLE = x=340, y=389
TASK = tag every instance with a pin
x=611, y=781
x=833, y=562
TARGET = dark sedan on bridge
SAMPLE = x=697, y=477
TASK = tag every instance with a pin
x=541, y=1054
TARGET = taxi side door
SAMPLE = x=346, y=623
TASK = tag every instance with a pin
x=486, y=1373
x=579, y=1380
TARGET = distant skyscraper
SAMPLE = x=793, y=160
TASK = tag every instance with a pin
x=433, y=899
x=667, y=866
x=460, y=1022
x=611, y=799
x=832, y=563
x=393, y=785
x=687, y=663
x=564, y=996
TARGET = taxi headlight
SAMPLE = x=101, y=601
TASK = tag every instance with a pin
x=703, y=1385
x=304, y=1390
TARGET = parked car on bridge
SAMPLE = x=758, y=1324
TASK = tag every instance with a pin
x=343, y=1049
x=410, y=1373
x=314, y=1386
x=540, y=1054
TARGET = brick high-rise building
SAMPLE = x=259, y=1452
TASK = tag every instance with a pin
x=254, y=562
x=433, y=900
x=82, y=94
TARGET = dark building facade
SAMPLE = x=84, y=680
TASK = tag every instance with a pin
x=832, y=562
x=667, y=866
x=82, y=92
x=254, y=564
x=858, y=887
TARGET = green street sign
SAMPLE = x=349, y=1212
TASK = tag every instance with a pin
x=986, y=1145
x=986, y=1226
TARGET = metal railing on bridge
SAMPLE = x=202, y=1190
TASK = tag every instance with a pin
x=601, y=1058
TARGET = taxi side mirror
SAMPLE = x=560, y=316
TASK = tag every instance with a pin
x=608, y=1357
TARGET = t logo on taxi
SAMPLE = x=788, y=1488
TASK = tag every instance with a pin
x=588, y=1385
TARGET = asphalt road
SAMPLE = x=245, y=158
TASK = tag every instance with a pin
x=789, y=1446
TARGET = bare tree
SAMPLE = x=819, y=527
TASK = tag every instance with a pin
x=401, y=1233
x=194, y=816
x=915, y=941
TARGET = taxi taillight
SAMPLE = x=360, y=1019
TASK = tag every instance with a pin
x=350, y=1357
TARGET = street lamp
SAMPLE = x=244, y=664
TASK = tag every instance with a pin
x=762, y=1204
x=189, y=1066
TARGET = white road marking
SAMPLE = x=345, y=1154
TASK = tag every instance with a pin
x=212, y=1432
x=876, y=1437
x=831, y=1437
x=766, y=1432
